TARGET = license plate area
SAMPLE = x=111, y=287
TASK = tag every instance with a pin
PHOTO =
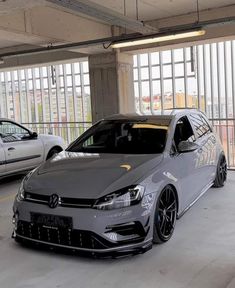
x=52, y=221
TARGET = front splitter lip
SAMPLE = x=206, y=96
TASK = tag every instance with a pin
x=140, y=247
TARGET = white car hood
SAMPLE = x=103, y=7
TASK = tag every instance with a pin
x=47, y=137
x=83, y=175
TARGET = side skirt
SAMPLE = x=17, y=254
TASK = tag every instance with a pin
x=207, y=187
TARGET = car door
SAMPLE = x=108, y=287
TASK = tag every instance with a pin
x=207, y=152
x=22, y=150
x=2, y=159
x=184, y=164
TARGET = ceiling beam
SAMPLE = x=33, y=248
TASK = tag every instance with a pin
x=104, y=14
x=39, y=59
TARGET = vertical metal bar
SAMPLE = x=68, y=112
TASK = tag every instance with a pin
x=5, y=98
x=51, y=129
x=219, y=91
x=185, y=78
x=161, y=80
x=66, y=103
x=13, y=94
x=139, y=84
x=205, y=79
x=42, y=95
x=233, y=92
x=50, y=93
x=173, y=77
x=198, y=78
x=75, y=109
x=7, y=95
x=233, y=74
x=150, y=83
x=21, y=97
x=35, y=96
x=74, y=91
x=58, y=97
x=2, y=112
x=218, y=77
x=212, y=84
x=28, y=96
x=82, y=90
x=226, y=99
x=192, y=56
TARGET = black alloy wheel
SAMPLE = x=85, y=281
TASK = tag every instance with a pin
x=165, y=215
x=221, y=173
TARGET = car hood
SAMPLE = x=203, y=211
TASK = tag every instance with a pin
x=83, y=175
x=52, y=140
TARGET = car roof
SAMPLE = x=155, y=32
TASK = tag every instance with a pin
x=159, y=115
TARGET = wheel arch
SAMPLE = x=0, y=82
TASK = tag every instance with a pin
x=57, y=147
x=176, y=194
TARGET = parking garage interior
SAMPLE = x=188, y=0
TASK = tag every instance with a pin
x=64, y=65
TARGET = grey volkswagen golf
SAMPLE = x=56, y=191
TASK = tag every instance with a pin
x=120, y=186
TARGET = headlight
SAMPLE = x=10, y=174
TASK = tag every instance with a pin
x=21, y=192
x=126, y=197
x=20, y=195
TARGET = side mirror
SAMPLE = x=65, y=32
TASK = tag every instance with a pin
x=185, y=147
x=34, y=135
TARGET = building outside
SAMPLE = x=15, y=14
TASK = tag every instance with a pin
x=56, y=98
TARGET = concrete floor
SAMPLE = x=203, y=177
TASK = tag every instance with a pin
x=201, y=253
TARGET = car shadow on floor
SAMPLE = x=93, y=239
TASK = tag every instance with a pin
x=11, y=179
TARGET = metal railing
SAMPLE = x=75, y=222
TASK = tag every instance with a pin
x=69, y=131
x=225, y=129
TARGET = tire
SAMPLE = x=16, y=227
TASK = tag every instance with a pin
x=221, y=172
x=53, y=151
x=165, y=215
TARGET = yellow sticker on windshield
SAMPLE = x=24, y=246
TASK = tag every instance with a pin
x=149, y=126
x=126, y=166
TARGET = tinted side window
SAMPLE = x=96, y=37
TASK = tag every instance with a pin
x=200, y=124
x=183, y=131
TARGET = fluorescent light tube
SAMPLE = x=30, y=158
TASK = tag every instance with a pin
x=156, y=39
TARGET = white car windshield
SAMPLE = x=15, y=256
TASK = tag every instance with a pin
x=122, y=136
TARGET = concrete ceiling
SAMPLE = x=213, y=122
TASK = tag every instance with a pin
x=148, y=9
x=9, y=6
x=24, y=23
x=157, y=9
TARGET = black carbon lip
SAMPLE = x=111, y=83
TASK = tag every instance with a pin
x=115, y=252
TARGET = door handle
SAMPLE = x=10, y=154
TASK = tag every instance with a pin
x=11, y=148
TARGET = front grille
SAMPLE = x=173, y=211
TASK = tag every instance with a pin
x=64, y=201
x=74, y=202
x=62, y=236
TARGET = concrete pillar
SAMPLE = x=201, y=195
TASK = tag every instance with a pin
x=111, y=81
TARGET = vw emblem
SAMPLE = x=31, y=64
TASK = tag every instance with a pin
x=53, y=201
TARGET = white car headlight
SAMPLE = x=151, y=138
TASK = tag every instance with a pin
x=21, y=191
x=125, y=197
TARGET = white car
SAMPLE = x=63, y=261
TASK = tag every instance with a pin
x=22, y=149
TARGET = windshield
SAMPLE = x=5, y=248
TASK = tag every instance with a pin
x=122, y=136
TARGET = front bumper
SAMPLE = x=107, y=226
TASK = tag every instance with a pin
x=97, y=232
x=130, y=249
